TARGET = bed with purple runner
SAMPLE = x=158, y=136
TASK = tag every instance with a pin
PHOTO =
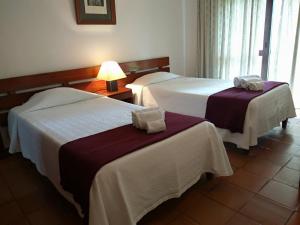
x=85, y=144
x=227, y=109
x=81, y=159
x=241, y=116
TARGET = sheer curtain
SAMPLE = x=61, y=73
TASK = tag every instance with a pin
x=284, y=64
x=230, y=35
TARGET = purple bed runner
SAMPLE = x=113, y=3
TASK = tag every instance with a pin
x=80, y=160
x=227, y=109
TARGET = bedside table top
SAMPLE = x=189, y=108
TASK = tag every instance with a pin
x=123, y=94
x=120, y=90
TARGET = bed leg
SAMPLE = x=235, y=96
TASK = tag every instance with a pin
x=284, y=124
x=209, y=176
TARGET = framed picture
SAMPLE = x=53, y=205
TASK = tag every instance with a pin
x=95, y=11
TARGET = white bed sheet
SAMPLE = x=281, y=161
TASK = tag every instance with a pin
x=124, y=190
x=189, y=96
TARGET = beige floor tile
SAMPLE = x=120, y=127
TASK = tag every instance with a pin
x=265, y=211
x=295, y=219
x=22, y=221
x=278, y=146
x=183, y=220
x=294, y=129
x=54, y=216
x=13, y=162
x=24, y=180
x=248, y=181
x=262, y=168
x=286, y=136
x=288, y=176
x=203, y=210
x=239, y=219
x=280, y=159
x=21, y=183
x=11, y=214
x=38, y=200
x=294, y=163
x=282, y=194
x=5, y=194
x=163, y=214
x=230, y=195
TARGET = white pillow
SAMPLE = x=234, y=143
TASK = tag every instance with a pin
x=56, y=97
x=153, y=78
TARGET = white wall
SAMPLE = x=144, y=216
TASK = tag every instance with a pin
x=42, y=35
x=190, y=18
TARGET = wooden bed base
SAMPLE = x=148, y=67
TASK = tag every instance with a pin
x=18, y=90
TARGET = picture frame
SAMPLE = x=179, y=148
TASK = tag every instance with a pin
x=95, y=12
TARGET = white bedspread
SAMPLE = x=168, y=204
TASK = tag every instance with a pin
x=126, y=189
x=189, y=96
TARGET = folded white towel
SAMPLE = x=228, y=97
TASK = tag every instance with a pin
x=245, y=82
x=141, y=117
x=134, y=114
x=242, y=81
x=256, y=86
x=155, y=126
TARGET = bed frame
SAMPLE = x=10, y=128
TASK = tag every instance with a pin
x=17, y=90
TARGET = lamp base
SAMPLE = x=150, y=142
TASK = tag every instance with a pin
x=112, y=86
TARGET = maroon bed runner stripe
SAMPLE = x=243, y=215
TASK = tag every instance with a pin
x=227, y=109
x=80, y=160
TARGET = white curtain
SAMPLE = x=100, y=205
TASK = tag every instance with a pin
x=230, y=36
x=284, y=64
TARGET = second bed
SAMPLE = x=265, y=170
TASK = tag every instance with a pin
x=189, y=96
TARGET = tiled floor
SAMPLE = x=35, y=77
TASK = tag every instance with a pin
x=263, y=190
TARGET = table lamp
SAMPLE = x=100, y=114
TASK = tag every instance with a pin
x=110, y=71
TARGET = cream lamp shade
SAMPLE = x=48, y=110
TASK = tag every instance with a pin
x=110, y=71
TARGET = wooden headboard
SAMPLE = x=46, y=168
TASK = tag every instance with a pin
x=15, y=91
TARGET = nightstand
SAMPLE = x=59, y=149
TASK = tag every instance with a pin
x=123, y=94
